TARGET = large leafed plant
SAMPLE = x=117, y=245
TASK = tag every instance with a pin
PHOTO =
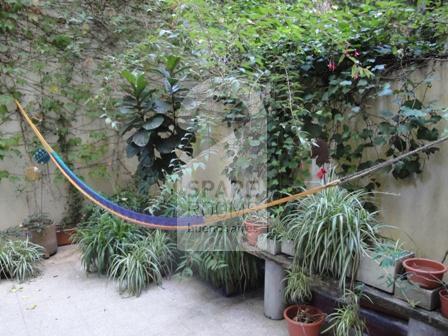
x=157, y=135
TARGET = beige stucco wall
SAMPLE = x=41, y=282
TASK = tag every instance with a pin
x=417, y=205
x=20, y=198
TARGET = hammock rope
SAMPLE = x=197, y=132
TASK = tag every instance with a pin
x=189, y=222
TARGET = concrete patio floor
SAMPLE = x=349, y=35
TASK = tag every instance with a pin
x=66, y=301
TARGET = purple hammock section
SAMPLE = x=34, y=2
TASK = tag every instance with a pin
x=147, y=220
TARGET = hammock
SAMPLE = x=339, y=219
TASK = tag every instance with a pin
x=190, y=222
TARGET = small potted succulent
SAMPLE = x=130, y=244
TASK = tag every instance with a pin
x=255, y=225
x=42, y=231
x=271, y=241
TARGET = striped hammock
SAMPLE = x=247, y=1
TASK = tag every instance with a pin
x=189, y=222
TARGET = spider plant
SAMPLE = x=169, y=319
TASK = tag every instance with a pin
x=211, y=253
x=140, y=263
x=19, y=259
x=214, y=256
x=331, y=230
x=346, y=320
x=298, y=285
x=101, y=238
x=276, y=230
x=234, y=271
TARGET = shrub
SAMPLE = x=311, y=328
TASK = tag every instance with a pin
x=140, y=263
x=331, y=230
x=101, y=238
x=346, y=320
x=132, y=255
x=212, y=253
x=19, y=259
x=298, y=285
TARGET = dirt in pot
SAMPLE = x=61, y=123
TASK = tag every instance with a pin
x=303, y=315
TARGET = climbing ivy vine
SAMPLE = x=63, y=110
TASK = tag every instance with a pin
x=51, y=58
x=324, y=63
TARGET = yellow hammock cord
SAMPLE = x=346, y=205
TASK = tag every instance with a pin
x=238, y=213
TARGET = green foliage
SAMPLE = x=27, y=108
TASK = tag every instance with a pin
x=133, y=256
x=346, y=320
x=52, y=60
x=322, y=67
x=156, y=130
x=19, y=259
x=233, y=271
x=333, y=100
x=298, y=286
x=331, y=230
x=37, y=222
x=212, y=254
x=8, y=13
x=276, y=229
x=127, y=198
x=7, y=147
x=142, y=262
x=387, y=253
x=102, y=237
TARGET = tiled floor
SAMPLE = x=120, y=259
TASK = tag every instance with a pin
x=65, y=301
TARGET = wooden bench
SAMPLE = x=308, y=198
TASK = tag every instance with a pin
x=420, y=321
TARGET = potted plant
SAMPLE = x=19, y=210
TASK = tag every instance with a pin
x=64, y=235
x=331, y=231
x=381, y=265
x=346, y=319
x=271, y=241
x=42, y=231
x=304, y=320
x=298, y=285
x=444, y=300
x=255, y=225
x=425, y=273
x=287, y=247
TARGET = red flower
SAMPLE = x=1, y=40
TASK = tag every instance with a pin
x=321, y=173
x=356, y=53
x=331, y=66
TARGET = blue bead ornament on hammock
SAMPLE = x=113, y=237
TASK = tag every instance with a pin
x=41, y=156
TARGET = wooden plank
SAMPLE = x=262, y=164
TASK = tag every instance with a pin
x=380, y=301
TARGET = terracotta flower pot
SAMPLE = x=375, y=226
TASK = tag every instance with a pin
x=253, y=230
x=444, y=302
x=425, y=273
x=45, y=238
x=303, y=329
x=64, y=235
